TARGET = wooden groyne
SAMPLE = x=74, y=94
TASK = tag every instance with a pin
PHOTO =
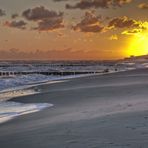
x=60, y=73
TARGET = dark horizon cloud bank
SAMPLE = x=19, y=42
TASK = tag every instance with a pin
x=18, y=54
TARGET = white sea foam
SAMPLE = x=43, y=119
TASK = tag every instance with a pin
x=25, y=81
x=16, y=93
x=20, y=86
x=10, y=110
x=10, y=83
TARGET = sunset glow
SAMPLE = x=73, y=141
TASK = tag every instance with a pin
x=138, y=45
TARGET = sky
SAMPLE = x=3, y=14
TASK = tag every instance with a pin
x=73, y=29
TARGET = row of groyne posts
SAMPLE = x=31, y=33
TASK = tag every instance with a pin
x=56, y=73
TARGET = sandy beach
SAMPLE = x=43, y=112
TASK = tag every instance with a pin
x=104, y=111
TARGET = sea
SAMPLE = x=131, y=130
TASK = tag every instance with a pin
x=20, y=78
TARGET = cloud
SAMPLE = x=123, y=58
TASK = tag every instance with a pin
x=113, y=37
x=60, y=0
x=124, y=22
x=67, y=53
x=47, y=20
x=143, y=6
x=94, y=24
x=90, y=23
x=120, y=2
x=86, y=4
x=50, y=24
x=15, y=15
x=40, y=13
x=2, y=12
x=131, y=32
x=16, y=24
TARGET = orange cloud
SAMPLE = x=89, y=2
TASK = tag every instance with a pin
x=143, y=6
x=124, y=22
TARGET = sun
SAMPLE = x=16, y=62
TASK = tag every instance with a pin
x=138, y=44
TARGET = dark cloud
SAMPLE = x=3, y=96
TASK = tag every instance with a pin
x=15, y=15
x=40, y=13
x=16, y=24
x=86, y=4
x=60, y=0
x=2, y=12
x=120, y=2
x=47, y=20
x=124, y=22
x=90, y=23
x=143, y=6
x=50, y=24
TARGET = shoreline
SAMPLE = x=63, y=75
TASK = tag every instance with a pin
x=28, y=90
x=58, y=80
x=6, y=97
x=31, y=87
x=74, y=120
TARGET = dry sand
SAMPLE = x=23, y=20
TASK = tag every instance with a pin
x=108, y=111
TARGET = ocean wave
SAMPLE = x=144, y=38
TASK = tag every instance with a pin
x=10, y=110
